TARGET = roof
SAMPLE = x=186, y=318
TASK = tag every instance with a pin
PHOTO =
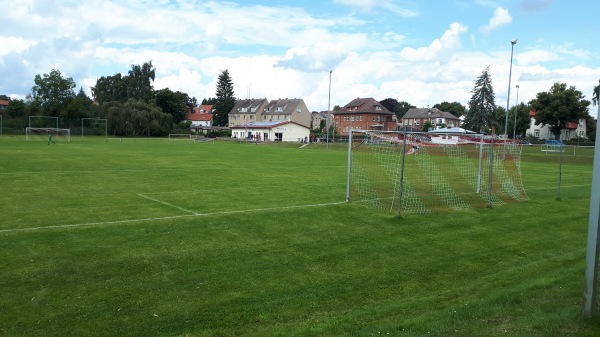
x=364, y=105
x=201, y=113
x=428, y=113
x=204, y=109
x=452, y=130
x=282, y=106
x=264, y=125
x=3, y=102
x=247, y=106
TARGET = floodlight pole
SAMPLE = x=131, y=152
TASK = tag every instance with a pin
x=516, y=111
x=590, y=288
x=329, y=110
x=512, y=47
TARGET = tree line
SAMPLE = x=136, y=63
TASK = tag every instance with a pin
x=560, y=105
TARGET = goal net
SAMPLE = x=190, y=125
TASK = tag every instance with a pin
x=425, y=173
x=181, y=136
x=41, y=134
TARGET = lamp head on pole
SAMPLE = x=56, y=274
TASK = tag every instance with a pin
x=513, y=42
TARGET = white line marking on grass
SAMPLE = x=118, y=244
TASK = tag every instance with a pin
x=168, y=204
x=103, y=223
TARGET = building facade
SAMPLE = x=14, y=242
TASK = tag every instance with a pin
x=416, y=118
x=247, y=111
x=363, y=114
x=571, y=130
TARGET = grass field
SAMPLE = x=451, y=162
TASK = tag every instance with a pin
x=158, y=238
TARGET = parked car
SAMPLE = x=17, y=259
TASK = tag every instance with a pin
x=553, y=142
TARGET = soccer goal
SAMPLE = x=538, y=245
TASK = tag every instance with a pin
x=181, y=136
x=425, y=173
x=94, y=127
x=42, y=134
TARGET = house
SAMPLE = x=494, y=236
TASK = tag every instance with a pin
x=247, y=111
x=364, y=114
x=317, y=117
x=278, y=131
x=201, y=116
x=571, y=130
x=415, y=118
x=3, y=104
x=293, y=110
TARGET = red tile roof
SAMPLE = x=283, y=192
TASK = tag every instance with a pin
x=201, y=113
x=3, y=102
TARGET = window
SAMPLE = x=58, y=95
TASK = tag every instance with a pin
x=418, y=122
x=298, y=110
x=352, y=119
x=440, y=121
x=378, y=107
x=279, y=109
x=536, y=133
x=251, y=116
x=244, y=109
x=360, y=118
x=253, y=109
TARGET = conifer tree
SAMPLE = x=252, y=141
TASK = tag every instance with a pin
x=225, y=99
x=482, y=106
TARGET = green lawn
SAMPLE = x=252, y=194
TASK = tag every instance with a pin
x=158, y=238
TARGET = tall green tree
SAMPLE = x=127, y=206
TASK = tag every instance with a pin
x=225, y=99
x=596, y=95
x=52, y=92
x=402, y=108
x=482, y=105
x=559, y=106
x=389, y=103
x=523, y=120
x=139, y=82
x=172, y=103
x=110, y=89
x=454, y=108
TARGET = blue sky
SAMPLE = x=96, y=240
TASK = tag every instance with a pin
x=423, y=52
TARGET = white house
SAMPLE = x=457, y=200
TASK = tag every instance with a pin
x=278, y=131
x=571, y=130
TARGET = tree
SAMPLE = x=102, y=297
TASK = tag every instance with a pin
x=139, y=82
x=482, y=105
x=402, y=108
x=172, y=103
x=559, y=106
x=52, y=92
x=225, y=99
x=110, y=89
x=389, y=103
x=454, y=108
x=596, y=95
x=190, y=102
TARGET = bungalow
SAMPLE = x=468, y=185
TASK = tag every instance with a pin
x=278, y=131
x=364, y=114
x=542, y=131
x=415, y=118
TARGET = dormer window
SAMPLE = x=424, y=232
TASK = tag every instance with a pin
x=279, y=108
x=378, y=107
x=244, y=109
x=253, y=109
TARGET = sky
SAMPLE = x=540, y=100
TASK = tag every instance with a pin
x=326, y=52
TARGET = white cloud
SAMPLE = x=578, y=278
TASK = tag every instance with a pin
x=368, y=5
x=316, y=58
x=439, y=47
x=501, y=18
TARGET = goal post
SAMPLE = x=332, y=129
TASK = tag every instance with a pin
x=95, y=127
x=41, y=134
x=181, y=136
x=418, y=172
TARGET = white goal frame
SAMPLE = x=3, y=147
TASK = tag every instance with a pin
x=97, y=120
x=435, y=171
x=53, y=131
x=174, y=136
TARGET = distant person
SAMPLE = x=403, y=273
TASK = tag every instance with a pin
x=50, y=139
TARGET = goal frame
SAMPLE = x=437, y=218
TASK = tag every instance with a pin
x=97, y=120
x=47, y=130
x=172, y=139
x=476, y=145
